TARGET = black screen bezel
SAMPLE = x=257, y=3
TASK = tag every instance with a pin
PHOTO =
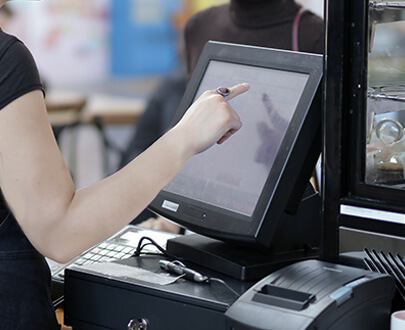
x=224, y=224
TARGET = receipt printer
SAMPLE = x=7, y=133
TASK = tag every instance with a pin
x=315, y=295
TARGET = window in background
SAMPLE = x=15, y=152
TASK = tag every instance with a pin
x=144, y=39
x=68, y=38
x=145, y=34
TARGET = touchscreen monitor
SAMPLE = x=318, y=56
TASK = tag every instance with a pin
x=240, y=190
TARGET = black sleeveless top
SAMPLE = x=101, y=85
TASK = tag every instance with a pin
x=24, y=274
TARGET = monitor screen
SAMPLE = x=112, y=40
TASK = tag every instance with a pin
x=239, y=191
x=233, y=180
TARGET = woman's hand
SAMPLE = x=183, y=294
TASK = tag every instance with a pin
x=210, y=119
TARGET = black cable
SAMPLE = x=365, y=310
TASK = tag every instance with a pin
x=140, y=247
x=145, y=245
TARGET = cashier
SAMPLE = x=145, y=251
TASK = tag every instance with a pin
x=41, y=213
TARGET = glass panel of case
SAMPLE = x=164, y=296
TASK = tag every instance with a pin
x=385, y=141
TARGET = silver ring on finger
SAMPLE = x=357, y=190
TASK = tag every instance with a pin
x=223, y=91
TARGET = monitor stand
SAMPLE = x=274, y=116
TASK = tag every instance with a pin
x=246, y=263
x=237, y=261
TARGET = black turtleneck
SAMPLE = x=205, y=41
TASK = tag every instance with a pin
x=257, y=14
x=265, y=23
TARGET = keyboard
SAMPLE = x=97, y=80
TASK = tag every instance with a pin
x=105, y=252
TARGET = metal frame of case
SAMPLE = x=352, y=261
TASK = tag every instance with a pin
x=344, y=140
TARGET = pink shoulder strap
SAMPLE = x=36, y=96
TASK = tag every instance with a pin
x=295, y=30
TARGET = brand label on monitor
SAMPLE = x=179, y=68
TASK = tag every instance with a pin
x=170, y=206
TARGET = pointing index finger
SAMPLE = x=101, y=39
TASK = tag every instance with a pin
x=236, y=90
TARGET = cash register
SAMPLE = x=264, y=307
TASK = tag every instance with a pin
x=250, y=207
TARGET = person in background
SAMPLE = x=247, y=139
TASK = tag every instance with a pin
x=281, y=24
x=41, y=213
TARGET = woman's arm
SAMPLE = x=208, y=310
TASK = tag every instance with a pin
x=61, y=222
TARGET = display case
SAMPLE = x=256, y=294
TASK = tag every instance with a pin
x=385, y=140
x=364, y=140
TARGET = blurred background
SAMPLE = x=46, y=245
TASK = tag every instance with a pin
x=100, y=60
